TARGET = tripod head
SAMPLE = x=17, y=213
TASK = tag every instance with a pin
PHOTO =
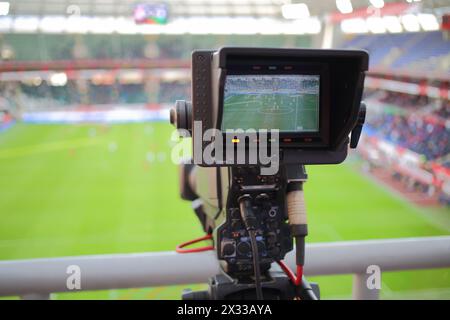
x=256, y=118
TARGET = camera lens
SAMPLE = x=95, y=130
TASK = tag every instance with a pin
x=181, y=115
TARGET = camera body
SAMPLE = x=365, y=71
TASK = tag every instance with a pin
x=312, y=98
x=215, y=192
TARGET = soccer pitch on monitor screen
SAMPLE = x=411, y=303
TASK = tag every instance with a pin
x=70, y=190
x=284, y=102
x=298, y=112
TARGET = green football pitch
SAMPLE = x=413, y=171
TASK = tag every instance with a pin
x=94, y=189
x=298, y=112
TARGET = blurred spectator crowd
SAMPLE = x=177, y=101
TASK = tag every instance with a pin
x=416, y=122
x=51, y=47
x=43, y=96
x=409, y=51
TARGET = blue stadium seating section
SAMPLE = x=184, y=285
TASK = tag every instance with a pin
x=424, y=50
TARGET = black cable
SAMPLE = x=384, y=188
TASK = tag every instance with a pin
x=311, y=295
x=257, y=271
x=250, y=222
x=307, y=292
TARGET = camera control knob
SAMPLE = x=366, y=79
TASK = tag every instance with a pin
x=244, y=248
x=228, y=249
x=272, y=212
x=261, y=248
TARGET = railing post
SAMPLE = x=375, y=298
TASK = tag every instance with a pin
x=35, y=296
x=361, y=290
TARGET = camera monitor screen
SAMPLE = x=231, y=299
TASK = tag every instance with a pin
x=289, y=103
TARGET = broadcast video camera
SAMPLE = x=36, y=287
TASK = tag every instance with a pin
x=257, y=116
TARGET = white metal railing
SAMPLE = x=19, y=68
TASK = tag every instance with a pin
x=37, y=278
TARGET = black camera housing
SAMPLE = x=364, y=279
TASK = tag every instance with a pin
x=333, y=80
x=341, y=73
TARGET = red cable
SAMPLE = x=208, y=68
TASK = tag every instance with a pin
x=299, y=275
x=295, y=279
x=180, y=247
x=288, y=271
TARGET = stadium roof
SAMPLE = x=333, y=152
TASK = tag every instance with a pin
x=186, y=8
x=221, y=16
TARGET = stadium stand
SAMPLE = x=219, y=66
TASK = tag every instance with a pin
x=408, y=129
x=51, y=47
x=420, y=50
x=417, y=133
x=408, y=137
